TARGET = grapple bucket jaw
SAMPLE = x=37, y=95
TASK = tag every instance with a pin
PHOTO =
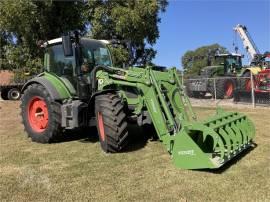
x=212, y=143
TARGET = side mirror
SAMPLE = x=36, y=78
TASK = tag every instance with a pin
x=67, y=45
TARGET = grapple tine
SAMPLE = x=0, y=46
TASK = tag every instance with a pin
x=238, y=134
x=227, y=140
x=232, y=136
x=242, y=131
x=251, y=129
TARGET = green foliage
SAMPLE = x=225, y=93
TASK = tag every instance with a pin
x=23, y=64
x=120, y=55
x=134, y=21
x=24, y=23
x=194, y=61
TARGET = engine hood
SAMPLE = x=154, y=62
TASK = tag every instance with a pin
x=207, y=71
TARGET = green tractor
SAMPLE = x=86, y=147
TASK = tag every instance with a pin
x=80, y=88
x=229, y=66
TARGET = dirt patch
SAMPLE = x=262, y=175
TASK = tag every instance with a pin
x=210, y=102
x=6, y=77
x=10, y=118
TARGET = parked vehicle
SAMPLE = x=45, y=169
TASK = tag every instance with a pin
x=9, y=88
x=225, y=74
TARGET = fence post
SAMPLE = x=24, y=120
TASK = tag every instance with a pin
x=252, y=90
x=182, y=74
x=215, y=90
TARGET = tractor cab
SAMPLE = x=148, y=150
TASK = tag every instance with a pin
x=73, y=62
x=232, y=62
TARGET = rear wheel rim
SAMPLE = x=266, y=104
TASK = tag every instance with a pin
x=229, y=89
x=38, y=117
x=101, y=126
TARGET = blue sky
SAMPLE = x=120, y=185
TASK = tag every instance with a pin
x=187, y=25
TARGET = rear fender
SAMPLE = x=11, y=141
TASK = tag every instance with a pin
x=52, y=90
x=253, y=70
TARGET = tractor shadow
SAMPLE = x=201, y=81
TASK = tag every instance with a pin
x=138, y=136
x=85, y=135
x=203, y=97
x=231, y=162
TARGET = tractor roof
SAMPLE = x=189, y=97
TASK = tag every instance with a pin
x=228, y=54
x=59, y=40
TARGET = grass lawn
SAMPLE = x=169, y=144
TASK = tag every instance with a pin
x=79, y=170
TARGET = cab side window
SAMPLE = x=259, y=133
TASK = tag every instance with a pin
x=58, y=63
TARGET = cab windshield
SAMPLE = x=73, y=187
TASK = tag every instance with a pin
x=95, y=53
x=234, y=61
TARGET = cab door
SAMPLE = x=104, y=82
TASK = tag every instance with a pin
x=62, y=66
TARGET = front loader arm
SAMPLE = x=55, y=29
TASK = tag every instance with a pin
x=192, y=144
x=162, y=95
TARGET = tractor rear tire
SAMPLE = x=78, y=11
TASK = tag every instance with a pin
x=111, y=122
x=224, y=88
x=245, y=82
x=41, y=116
x=14, y=94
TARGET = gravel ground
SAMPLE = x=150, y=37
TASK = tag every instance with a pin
x=208, y=102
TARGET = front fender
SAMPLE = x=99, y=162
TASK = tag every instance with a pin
x=253, y=70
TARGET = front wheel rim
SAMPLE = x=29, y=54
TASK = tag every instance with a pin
x=101, y=126
x=38, y=116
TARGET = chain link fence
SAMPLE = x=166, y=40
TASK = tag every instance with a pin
x=253, y=90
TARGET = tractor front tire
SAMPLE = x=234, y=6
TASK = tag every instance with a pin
x=41, y=116
x=189, y=92
x=111, y=122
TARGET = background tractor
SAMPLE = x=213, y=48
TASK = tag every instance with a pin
x=81, y=88
x=230, y=65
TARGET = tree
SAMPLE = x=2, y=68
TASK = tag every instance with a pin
x=135, y=22
x=23, y=23
x=194, y=61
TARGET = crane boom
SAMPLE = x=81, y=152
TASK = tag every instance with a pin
x=248, y=43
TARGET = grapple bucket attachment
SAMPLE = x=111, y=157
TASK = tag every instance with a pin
x=212, y=143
